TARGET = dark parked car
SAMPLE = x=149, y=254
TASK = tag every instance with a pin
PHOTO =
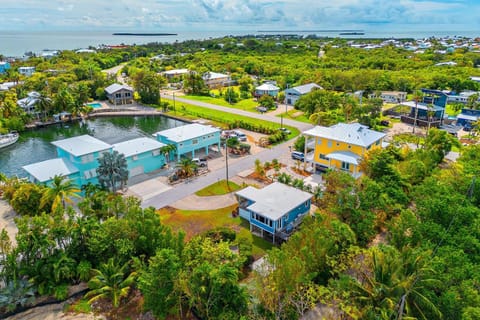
x=298, y=156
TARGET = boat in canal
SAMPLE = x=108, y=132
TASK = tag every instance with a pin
x=8, y=139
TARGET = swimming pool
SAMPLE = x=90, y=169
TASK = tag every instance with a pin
x=95, y=105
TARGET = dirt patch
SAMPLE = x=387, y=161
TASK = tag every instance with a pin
x=7, y=222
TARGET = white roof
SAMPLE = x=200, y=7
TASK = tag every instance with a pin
x=467, y=117
x=46, y=170
x=421, y=106
x=267, y=87
x=213, y=75
x=117, y=87
x=275, y=200
x=306, y=88
x=175, y=71
x=352, y=133
x=344, y=156
x=137, y=146
x=81, y=145
x=186, y=132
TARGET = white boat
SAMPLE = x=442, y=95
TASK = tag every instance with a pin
x=8, y=139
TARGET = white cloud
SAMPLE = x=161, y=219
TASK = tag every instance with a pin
x=233, y=13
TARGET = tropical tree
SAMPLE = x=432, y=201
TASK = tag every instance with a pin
x=111, y=281
x=267, y=101
x=112, y=171
x=417, y=97
x=187, y=167
x=60, y=192
x=44, y=104
x=168, y=150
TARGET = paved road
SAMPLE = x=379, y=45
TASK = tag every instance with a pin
x=184, y=189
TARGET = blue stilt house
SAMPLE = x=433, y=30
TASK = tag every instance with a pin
x=274, y=211
x=143, y=155
x=190, y=138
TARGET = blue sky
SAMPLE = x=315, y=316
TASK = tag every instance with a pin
x=159, y=15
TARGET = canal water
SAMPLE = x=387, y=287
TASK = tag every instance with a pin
x=34, y=146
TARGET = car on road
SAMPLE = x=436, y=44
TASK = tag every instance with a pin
x=240, y=135
x=201, y=162
x=298, y=156
x=285, y=130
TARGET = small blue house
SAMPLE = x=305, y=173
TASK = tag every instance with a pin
x=467, y=117
x=266, y=89
x=43, y=172
x=190, y=138
x=293, y=94
x=4, y=66
x=143, y=155
x=273, y=211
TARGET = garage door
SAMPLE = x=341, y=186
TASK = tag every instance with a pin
x=136, y=171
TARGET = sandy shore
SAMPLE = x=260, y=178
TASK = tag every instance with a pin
x=6, y=220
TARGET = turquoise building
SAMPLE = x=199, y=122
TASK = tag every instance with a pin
x=274, y=211
x=190, y=138
x=4, y=66
x=78, y=159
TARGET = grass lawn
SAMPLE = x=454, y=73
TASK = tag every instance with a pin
x=196, y=222
x=449, y=110
x=218, y=188
x=290, y=115
x=190, y=111
x=246, y=104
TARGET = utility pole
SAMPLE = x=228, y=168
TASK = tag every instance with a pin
x=226, y=160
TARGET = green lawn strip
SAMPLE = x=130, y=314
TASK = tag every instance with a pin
x=290, y=113
x=218, y=188
x=195, y=222
x=246, y=104
x=190, y=111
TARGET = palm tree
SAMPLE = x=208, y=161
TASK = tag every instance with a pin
x=417, y=97
x=44, y=104
x=111, y=281
x=187, y=167
x=112, y=171
x=168, y=150
x=59, y=193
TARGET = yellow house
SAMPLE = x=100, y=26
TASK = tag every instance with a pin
x=341, y=146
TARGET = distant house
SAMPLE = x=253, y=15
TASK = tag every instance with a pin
x=467, y=117
x=4, y=66
x=143, y=155
x=462, y=97
x=190, y=138
x=216, y=80
x=28, y=103
x=427, y=112
x=274, y=211
x=266, y=88
x=169, y=74
x=293, y=94
x=8, y=85
x=119, y=94
x=78, y=159
x=476, y=79
x=26, y=71
x=340, y=146
x=393, y=96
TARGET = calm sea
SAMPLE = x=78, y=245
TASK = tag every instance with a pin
x=16, y=43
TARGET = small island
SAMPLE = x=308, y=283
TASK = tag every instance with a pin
x=143, y=34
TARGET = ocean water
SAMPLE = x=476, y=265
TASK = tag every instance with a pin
x=16, y=43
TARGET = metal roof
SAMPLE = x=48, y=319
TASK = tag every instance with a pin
x=81, y=145
x=46, y=170
x=421, y=106
x=274, y=200
x=117, y=87
x=214, y=75
x=186, y=132
x=467, y=117
x=345, y=156
x=352, y=133
x=267, y=87
x=137, y=146
x=306, y=88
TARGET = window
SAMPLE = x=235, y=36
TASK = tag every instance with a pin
x=306, y=204
x=319, y=141
x=87, y=158
x=279, y=224
x=322, y=156
x=181, y=144
x=118, y=95
x=345, y=166
x=195, y=141
x=156, y=152
x=127, y=94
x=135, y=157
x=349, y=147
x=329, y=143
x=92, y=173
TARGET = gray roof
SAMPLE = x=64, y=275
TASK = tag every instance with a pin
x=175, y=72
x=81, y=145
x=306, y=88
x=46, y=170
x=352, y=133
x=186, y=132
x=117, y=87
x=214, y=75
x=274, y=200
x=421, y=106
x=267, y=87
x=137, y=146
